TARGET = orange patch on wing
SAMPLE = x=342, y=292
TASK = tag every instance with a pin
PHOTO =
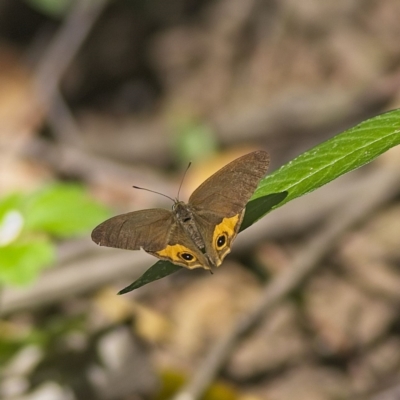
x=172, y=252
x=228, y=226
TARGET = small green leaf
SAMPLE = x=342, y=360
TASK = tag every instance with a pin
x=63, y=210
x=261, y=206
x=343, y=153
x=21, y=262
x=159, y=270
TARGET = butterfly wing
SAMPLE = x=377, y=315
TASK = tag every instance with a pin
x=227, y=192
x=147, y=229
x=155, y=231
x=220, y=202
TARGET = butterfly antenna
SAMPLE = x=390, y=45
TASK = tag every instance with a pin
x=153, y=191
x=183, y=178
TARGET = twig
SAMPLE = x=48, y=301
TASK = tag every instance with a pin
x=384, y=182
x=92, y=168
x=64, y=47
x=62, y=121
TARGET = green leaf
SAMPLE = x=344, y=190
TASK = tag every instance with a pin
x=63, y=210
x=259, y=206
x=20, y=263
x=10, y=202
x=159, y=270
x=343, y=153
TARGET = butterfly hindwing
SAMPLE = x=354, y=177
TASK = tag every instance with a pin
x=181, y=250
x=219, y=203
x=218, y=234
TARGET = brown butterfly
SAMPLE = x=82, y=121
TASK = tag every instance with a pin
x=199, y=233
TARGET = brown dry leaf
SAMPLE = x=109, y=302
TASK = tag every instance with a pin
x=113, y=308
x=391, y=158
x=360, y=63
x=379, y=363
x=395, y=103
x=250, y=397
x=272, y=258
x=149, y=324
x=343, y=316
x=18, y=174
x=196, y=64
x=381, y=20
x=223, y=67
x=308, y=383
x=207, y=308
x=276, y=343
x=370, y=256
x=125, y=367
x=19, y=110
x=384, y=231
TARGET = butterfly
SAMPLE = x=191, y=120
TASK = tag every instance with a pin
x=197, y=234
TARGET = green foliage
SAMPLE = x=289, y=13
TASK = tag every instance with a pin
x=343, y=153
x=20, y=262
x=29, y=222
x=193, y=142
x=62, y=210
x=53, y=8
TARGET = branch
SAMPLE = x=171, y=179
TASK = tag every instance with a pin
x=64, y=47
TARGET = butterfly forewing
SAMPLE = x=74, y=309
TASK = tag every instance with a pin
x=229, y=189
x=147, y=229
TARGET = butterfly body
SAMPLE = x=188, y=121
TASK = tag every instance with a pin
x=194, y=234
x=185, y=215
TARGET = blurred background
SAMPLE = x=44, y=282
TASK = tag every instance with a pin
x=100, y=95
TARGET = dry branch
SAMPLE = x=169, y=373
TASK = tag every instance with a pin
x=64, y=47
